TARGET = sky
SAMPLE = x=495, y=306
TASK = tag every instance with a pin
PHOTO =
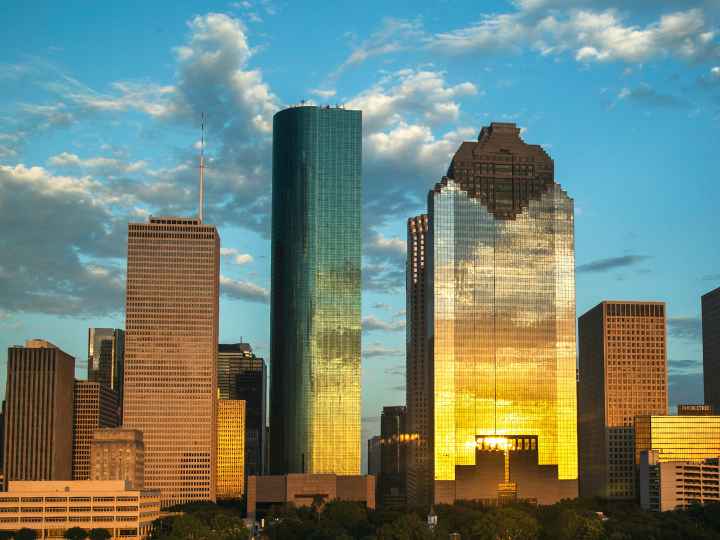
x=100, y=107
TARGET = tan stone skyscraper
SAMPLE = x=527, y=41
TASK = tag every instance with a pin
x=171, y=353
x=623, y=374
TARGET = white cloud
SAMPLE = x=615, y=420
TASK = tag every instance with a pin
x=324, y=94
x=375, y=350
x=243, y=290
x=373, y=323
x=235, y=256
x=110, y=165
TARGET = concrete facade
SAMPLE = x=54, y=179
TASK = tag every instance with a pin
x=118, y=454
x=51, y=508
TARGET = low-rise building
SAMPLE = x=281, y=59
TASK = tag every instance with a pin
x=52, y=507
x=264, y=492
x=678, y=438
x=677, y=484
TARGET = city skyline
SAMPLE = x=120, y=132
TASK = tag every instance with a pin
x=625, y=250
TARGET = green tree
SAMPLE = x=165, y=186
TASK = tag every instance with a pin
x=188, y=527
x=26, y=534
x=506, y=523
x=76, y=533
x=7, y=535
x=99, y=534
x=406, y=527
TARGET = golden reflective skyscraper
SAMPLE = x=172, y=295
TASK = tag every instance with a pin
x=500, y=282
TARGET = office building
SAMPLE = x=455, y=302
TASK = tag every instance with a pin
x=38, y=413
x=418, y=385
x=242, y=375
x=51, y=508
x=315, y=293
x=500, y=278
x=106, y=358
x=264, y=492
x=95, y=406
x=171, y=339
x=231, y=448
x=374, y=456
x=118, y=454
x=678, y=438
x=623, y=374
x=395, y=439
x=694, y=409
x=673, y=485
x=711, y=347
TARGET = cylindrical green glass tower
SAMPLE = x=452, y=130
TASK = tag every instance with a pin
x=315, y=299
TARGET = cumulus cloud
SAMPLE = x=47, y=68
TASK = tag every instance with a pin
x=103, y=164
x=64, y=254
x=373, y=323
x=235, y=256
x=243, y=290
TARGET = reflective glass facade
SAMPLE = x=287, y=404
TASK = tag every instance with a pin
x=678, y=438
x=315, y=303
x=501, y=310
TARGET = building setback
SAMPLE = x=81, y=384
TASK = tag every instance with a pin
x=315, y=294
x=711, y=347
x=500, y=278
x=171, y=353
x=623, y=374
x=242, y=375
x=39, y=413
x=231, y=448
x=106, y=358
x=418, y=385
x=95, y=406
x=118, y=454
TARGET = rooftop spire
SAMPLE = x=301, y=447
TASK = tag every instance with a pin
x=202, y=169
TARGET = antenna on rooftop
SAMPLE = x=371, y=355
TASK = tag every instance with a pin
x=202, y=169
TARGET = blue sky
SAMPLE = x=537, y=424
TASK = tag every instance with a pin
x=99, y=122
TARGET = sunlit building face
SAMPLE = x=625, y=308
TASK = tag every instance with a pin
x=501, y=318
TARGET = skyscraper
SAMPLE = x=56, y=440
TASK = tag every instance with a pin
x=38, y=413
x=711, y=347
x=501, y=324
x=315, y=301
x=95, y=406
x=118, y=454
x=231, y=448
x=242, y=375
x=623, y=374
x=171, y=353
x=106, y=358
x=418, y=385
x=392, y=482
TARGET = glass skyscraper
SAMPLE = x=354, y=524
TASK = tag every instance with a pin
x=500, y=284
x=315, y=303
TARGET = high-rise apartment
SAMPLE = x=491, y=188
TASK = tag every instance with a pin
x=711, y=347
x=106, y=357
x=38, y=413
x=500, y=278
x=392, y=482
x=242, y=375
x=315, y=299
x=118, y=454
x=623, y=374
x=231, y=448
x=95, y=406
x=418, y=386
x=171, y=339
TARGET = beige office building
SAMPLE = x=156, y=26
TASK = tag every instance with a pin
x=171, y=340
x=231, y=448
x=38, y=413
x=118, y=454
x=264, y=492
x=672, y=485
x=623, y=374
x=96, y=406
x=51, y=508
